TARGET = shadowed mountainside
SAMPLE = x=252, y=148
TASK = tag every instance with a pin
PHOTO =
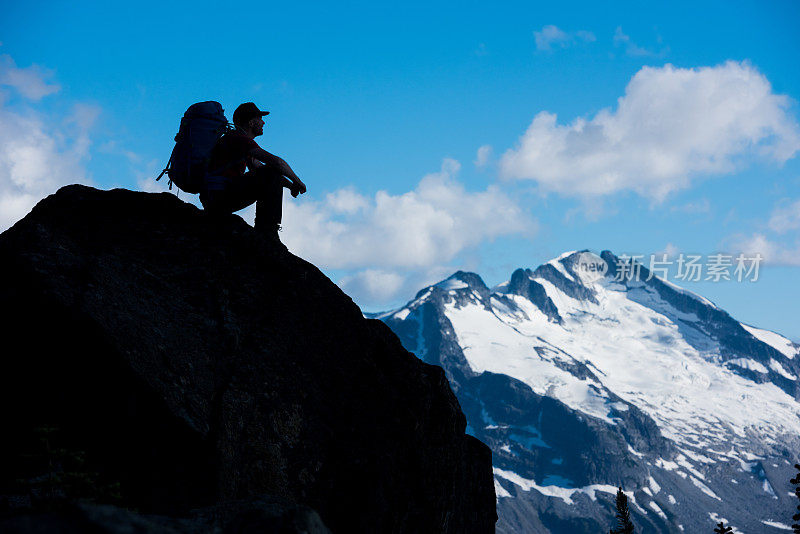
x=196, y=363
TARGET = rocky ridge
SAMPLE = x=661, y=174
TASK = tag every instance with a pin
x=195, y=364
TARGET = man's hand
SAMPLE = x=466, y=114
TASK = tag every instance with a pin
x=298, y=188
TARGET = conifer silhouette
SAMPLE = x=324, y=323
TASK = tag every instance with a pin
x=796, y=482
x=722, y=529
x=624, y=525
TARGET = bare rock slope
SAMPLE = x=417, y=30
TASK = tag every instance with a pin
x=196, y=363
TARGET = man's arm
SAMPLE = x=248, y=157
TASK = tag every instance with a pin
x=259, y=154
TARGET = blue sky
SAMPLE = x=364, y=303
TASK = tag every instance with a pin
x=436, y=137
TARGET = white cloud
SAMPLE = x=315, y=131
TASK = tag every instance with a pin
x=372, y=285
x=386, y=240
x=771, y=251
x=621, y=39
x=37, y=156
x=553, y=35
x=38, y=153
x=346, y=201
x=670, y=250
x=483, y=155
x=148, y=184
x=671, y=125
x=381, y=289
x=548, y=36
x=785, y=217
x=420, y=228
x=31, y=82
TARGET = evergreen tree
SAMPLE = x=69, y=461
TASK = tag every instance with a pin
x=796, y=482
x=722, y=529
x=624, y=525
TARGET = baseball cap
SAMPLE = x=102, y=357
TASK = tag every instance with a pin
x=245, y=112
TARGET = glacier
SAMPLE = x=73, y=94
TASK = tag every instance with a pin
x=583, y=381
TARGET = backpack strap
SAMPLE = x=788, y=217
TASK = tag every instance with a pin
x=227, y=128
x=166, y=170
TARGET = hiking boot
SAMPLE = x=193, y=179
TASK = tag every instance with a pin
x=270, y=232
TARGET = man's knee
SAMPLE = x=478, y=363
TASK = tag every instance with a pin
x=269, y=180
x=269, y=174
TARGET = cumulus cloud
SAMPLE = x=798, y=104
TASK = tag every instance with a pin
x=428, y=225
x=671, y=125
x=380, y=289
x=483, y=155
x=384, y=237
x=372, y=285
x=38, y=154
x=31, y=82
x=785, y=217
x=346, y=201
x=772, y=252
x=551, y=35
x=782, y=249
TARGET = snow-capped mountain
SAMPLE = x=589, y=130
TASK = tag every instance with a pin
x=582, y=380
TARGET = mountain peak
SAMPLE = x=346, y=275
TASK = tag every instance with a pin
x=463, y=280
x=676, y=394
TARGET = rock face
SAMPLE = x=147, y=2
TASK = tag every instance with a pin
x=195, y=362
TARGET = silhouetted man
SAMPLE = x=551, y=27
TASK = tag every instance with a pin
x=229, y=188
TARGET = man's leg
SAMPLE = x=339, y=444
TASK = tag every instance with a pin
x=213, y=197
x=269, y=206
x=264, y=186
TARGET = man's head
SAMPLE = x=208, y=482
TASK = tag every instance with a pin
x=249, y=118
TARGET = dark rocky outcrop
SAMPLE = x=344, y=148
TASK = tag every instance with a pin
x=523, y=285
x=252, y=516
x=196, y=363
x=571, y=288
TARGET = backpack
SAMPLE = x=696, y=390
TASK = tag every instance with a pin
x=201, y=126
